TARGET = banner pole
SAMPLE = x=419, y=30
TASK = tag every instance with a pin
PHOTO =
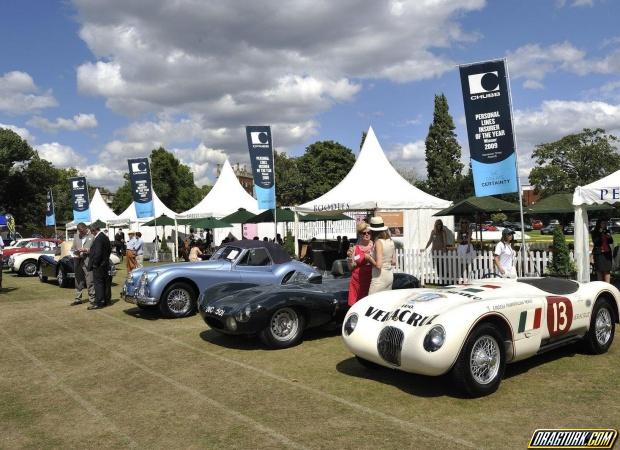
x=520, y=192
x=54, y=209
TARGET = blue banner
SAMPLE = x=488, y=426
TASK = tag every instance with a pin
x=263, y=170
x=489, y=127
x=50, y=216
x=79, y=199
x=141, y=187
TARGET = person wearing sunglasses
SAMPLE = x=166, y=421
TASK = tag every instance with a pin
x=359, y=262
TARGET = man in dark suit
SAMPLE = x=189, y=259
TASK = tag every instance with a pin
x=99, y=264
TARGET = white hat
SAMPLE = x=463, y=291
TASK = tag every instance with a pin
x=376, y=224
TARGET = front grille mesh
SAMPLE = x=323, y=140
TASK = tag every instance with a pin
x=390, y=344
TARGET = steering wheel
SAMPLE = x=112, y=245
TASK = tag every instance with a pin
x=491, y=275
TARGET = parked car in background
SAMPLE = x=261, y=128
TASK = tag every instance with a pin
x=174, y=288
x=554, y=222
x=32, y=245
x=569, y=228
x=62, y=269
x=537, y=224
x=516, y=226
x=26, y=263
x=549, y=229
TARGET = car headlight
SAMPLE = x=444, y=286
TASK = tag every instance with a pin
x=244, y=314
x=434, y=339
x=231, y=323
x=350, y=324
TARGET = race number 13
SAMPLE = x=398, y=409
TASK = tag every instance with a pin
x=559, y=315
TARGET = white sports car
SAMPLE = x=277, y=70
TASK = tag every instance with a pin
x=473, y=330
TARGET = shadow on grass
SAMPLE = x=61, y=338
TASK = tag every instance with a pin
x=6, y=290
x=145, y=314
x=237, y=342
x=524, y=366
x=420, y=385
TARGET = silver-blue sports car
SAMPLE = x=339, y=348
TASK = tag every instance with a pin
x=174, y=288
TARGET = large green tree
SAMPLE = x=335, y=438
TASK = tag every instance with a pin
x=443, y=153
x=574, y=160
x=172, y=180
x=289, y=186
x=323, y=166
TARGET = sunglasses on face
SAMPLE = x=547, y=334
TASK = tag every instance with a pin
x=365, y=232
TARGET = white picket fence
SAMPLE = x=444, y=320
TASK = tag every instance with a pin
x=448, y=268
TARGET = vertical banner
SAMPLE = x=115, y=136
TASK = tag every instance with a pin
x=489, y=127
x=79, y=199
x=50, y=216
x=141, y=188
x=261, y=157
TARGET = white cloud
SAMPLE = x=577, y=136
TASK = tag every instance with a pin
x=77, y=122
x=19, y=94
x=411, y=155
x=22, y=132
x=60, y=155
x=534, y=62
x=101, y=175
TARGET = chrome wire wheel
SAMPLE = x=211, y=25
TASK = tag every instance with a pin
x=484, y=360
x=60, y=278
x=284, y=324
x=30, y=269
x=179, y=301
x=603, y=326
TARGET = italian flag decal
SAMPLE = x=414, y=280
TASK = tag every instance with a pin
x=530, y=319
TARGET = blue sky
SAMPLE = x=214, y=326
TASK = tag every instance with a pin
x=91, y=83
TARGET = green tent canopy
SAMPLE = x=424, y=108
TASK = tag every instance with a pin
x=99, y=223
x=162, y=220
x=205, y=223
x=561, y=204
x=240, y=216
x=323, y=217
x=476, y=205
x=282, y=215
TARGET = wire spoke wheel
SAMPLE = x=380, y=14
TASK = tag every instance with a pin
x=30, y=268
x=179, y=301
x=284, y=324
x=484, y=361
x=603, y=326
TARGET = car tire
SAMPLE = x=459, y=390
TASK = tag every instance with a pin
x=178, y=300
x=42, y=278
x=284, y=329
x=61, y=278
x=480, y=366
x=599, y=337
x=28, y=268
x=368, y=364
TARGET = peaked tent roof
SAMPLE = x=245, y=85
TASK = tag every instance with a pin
x=99, y=210
x=605, y=190
x=373, y=183
x=160, y=208
x=226, y=197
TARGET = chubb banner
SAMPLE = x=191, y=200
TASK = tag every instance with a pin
x=79, y=199
x=50, y=216
x=489, y=127
x=261, y=156
x=141, y=187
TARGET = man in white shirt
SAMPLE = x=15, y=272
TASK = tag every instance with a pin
x=139, y=247
x=131, y=252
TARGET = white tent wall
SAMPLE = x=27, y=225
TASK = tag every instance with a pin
x=418, y=224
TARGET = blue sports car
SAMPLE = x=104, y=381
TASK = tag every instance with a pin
x=174, y=288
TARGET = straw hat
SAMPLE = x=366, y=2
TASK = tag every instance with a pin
x=376, y=224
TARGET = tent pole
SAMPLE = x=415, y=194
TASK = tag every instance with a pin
x=176, y=240
x=296, y=232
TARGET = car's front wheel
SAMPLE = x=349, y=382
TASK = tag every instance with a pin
x=599, y=337
x=28, y=268
x=285, y=328
x=61, y=278
x=42, y=278
x=480, y=366
x=178, y=300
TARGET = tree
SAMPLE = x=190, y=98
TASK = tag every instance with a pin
x=443, y=153
x=14, y=155
x=289, y=186
x=574, y=160
x=172, y=180
x=323, y=166
x=561, y=263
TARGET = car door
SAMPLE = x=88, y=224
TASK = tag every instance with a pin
x=256, y=266
x=566, y=316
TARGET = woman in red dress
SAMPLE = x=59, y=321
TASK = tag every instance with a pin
x=361, y=269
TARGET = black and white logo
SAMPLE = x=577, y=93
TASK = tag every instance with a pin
x=481, y=83
x=138, y=167
x=259, y=138
x=78, y=184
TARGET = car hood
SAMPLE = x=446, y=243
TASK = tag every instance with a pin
x=185, y=266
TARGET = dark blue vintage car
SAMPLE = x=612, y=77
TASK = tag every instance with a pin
x=174, y=288
x=279, y=314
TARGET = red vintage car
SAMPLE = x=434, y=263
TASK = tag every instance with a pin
x=537, y=224
x=30, y=246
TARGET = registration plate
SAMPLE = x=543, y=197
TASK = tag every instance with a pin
x=215, y=311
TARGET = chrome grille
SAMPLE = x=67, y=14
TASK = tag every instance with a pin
x=390, y=344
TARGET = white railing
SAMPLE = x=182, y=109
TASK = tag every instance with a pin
x=449, y=268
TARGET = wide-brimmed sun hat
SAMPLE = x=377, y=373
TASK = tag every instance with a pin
x=376, y=224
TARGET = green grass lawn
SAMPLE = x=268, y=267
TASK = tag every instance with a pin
x=118, y=377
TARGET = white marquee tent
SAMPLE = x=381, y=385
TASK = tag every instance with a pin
x=374, y=184
x=226, y=197
x=99, y=210
x=605, y=190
